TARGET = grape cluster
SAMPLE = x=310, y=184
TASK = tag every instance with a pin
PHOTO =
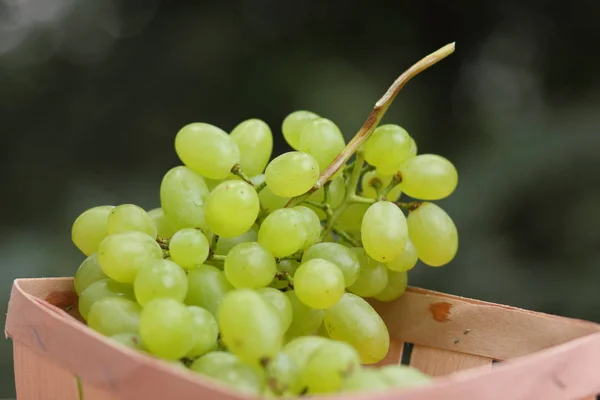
x=253, y=275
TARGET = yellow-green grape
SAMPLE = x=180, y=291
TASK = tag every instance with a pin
x=351, y=219
x=428, y=177
x=250, y=328
x=163, y=228
x=407, y=260
x=319, y=283
x=250, y=265
x=129, y=339
x=337, y=191
x=396, y=286
x=293, y=124
x=368, y=186
x=255, y=141
x=372, y=276
x=354, y=321
x=164, y=279
x=112, y=315
x=328, y=365
x=182, y=196
x=312, y=225
x=301, y=348
x=129, y=217
x=206, y=149
x=282, y=375
x=121, y=255
x=101, y=289
x=384, y=231
x=413, y=148
x=226, y=244
x=207, y=286
x=403, y=376
x=206, y=331
x=213, y=183
x=283, y=232
x=387, y=148
x=340, y=255
x=305, y=320
x=280, y=303
x=229, y=370
x=292, y=174
x=322, y=139
x=434, y=234
x=271, y=201
x=365, y=380
x=188, y=247
x=88, y=272
x=167, y=329
x=90, y=228
x=231, y=208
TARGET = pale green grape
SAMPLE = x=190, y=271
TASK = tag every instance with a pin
x=255, y=141
x=167, y=329
x=369, y=191
x=351, y=219
x=413, y=148
x=90, y=228
x=280, y=303
x=354, y=321
x=229, y=370
x=250, y=265
x=88, y=272
x=433, y=233
x=250, y=328
x=322, y=139
x=407, y=260
x=224, y=245
x=129, y=217
x=337, y=191
x=188, y=247
x=322, y=331
x=101, y=289
x=283, y=375
x=206, y=149
x=319, y=283
x=121, y=255
x=301, y=348
x=292, y=174
x=130, y=339
x=113, y=315
x=206, y=287
x=387, y=148
x=213, y=183
x=403, y=376
x=340, y=255
x=365, y=380
x=161, y=279
x=384, y=231
x=182, y=196
x=305, y=320
x=206, y=331
x=283, y=232
x=372, y=276
x=312, y=225
x=328, y=365
x=428, y=177
x=293, y=124
x=270, y=201
x=231, y=208
x=163, y=227
x=396, y=286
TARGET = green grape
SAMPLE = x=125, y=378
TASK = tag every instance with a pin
x=305, y=320
x=322, y=331
x=322, y=139
x=387, y=148
x=129, y=217
x=88, y=272
x=319, y=283
x=121, y=255
x=433, y=233
x=301, y=348
x=407, y=260
x=188, y=247
x=369, y=191
x=403, y=376
x=354, y=321
x=250, y=328
x=280, y=302
x=283, y=375
x=372, y=276
x=206, y=331
x=365, y=380
x=163, y=227
x=413, y=149
x=283, y=232
x=112, y=315
x=161, y=279
x=229, y=370
x=206, y=149
x=428, y=177
x=231, y=208
x=255, y=141
x=396, y=286
x=224, y=245
x=328, y=365
x=207, y=286
x=384, y=231
x=292, y=174
x=337, y=192
x=90, y=228
x=270, y=201
x=340, y=255
x=101, y=289
x=129, y=339
x=182, y=196
x=293, y=124
x=213, y=183
x=351, y=219
x=167, y=329
x=312, y=225
x=250, y=265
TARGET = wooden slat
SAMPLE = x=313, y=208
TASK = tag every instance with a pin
x=438, y=362
x=91, y=393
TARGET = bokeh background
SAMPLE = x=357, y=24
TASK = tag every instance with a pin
x=92, y=93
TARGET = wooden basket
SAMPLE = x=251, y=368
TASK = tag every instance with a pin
x=548, y=357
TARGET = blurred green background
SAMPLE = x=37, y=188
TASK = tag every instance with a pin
x=93, y=92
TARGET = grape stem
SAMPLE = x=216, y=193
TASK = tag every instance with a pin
x=260, y=187
x=396, y=180
x=217, y=257
x=346, y=236
x=166, y=254
x=163, y=243
x=213, y=246
x=237, y=171
x=411, y=206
